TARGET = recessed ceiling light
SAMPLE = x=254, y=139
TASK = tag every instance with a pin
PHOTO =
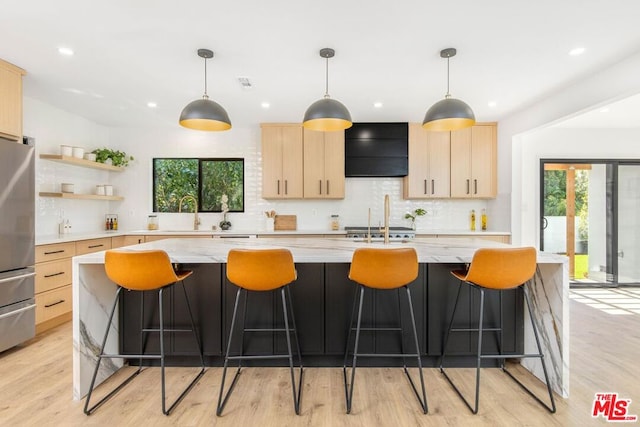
x=65, y=51
x=492, y=104
x=605, y=110
x=577, y=51
x=152, y=104
x=377, y=104
x=265, y=105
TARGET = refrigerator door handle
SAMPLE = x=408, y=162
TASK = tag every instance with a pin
x=14, y=312
x=12, y=278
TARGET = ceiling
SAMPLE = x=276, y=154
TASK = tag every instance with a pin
x=128, y=53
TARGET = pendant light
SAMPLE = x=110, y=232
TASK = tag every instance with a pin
x=327, y=114
x=450, y=113
x=205, y=114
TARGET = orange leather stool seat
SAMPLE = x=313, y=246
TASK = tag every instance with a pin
x=382, y=269
x=144, y=271
x=499, y=270
x=261, y=270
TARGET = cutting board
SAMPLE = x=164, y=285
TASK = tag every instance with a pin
x=285, y=222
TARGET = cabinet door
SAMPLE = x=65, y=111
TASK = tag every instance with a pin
x=323, y=165
x=429, y=164
x=271, y=162
x=439, y=160
x=282, y=161
x=314, y=164
x=10, y=101
x=416, y=184
x=292, y=162
x=461, y=163
x=333, y=165
x=483, y=161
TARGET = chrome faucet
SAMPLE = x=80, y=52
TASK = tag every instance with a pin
x=386, y=218
x=196, y=220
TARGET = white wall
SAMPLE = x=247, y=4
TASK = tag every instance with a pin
x=558, y=143
x=52, y=127
x=520, y=174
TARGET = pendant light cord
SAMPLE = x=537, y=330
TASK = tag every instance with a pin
x=205, y=96
x=448, y=95
x=326, y=79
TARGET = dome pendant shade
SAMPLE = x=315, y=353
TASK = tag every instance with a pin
x=205, y=114
x=447, y=115
x=327, y=115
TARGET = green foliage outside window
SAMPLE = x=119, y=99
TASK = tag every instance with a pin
x=555, y=197
x=205, y=179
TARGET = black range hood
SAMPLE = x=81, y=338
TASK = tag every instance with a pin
x=377, y=150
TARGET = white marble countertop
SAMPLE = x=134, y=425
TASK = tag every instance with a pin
x=331, y=250
x=72, y=237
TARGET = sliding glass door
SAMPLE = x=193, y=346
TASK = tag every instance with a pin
x=589, y=212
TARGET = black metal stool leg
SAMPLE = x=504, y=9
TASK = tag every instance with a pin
x=448, y=333
x=349, y=388
x=89, y=410
x=540, y=355
x=222, y=402
x=423, y=400
x=296, y=395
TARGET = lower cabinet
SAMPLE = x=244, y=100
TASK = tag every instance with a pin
x=323, y=299
x=203, y=289
x=441, y=295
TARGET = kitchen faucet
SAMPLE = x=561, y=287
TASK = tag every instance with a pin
x=196, y=220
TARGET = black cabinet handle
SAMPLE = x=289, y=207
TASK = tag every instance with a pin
x=433, y=186
x=475, y=186
x=467, y=186
x=54, y=274
x=95, y=246
x=54, y=303
x=425, y=186
x=55, y=252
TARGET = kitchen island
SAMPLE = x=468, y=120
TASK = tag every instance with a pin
x=322, y=296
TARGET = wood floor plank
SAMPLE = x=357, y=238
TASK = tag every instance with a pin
x=35, y=389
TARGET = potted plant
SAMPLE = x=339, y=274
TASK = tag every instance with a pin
x=115, y=157
x=224, y=224
x=413, y=215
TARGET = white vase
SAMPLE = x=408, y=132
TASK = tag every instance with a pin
x=270, y=224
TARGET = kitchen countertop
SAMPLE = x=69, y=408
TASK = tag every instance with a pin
x=72, y=237
x=337, y=249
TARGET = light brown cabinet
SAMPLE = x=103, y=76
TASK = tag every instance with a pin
x=11, y=101
x=429, y=164
x=120, y=241
x=53, y=284
x=54, y=277
x=474, y=162
x=323, y=165
x=282, y=157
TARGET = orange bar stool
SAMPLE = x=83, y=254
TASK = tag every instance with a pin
x=144, y=271
x=262, y=270
x=383, y=269
x=497, y=269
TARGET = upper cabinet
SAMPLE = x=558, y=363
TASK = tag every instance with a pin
x=429, y=164
x=282, y=158
x=11, y=101
x=323, y=165
x=474, y=162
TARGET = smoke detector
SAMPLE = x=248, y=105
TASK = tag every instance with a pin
x=245, y=83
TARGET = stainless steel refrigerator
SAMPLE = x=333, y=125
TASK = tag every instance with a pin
x=17, y=239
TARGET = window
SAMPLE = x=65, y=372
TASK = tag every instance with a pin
x=204, y=179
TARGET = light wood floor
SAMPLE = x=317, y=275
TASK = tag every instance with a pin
x=35, y=389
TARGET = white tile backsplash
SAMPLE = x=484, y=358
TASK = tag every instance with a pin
x=52, y=127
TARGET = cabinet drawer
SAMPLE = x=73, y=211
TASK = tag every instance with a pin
x=55, y=251
x=53, y=274
x=53, y=303
x=93, y=245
